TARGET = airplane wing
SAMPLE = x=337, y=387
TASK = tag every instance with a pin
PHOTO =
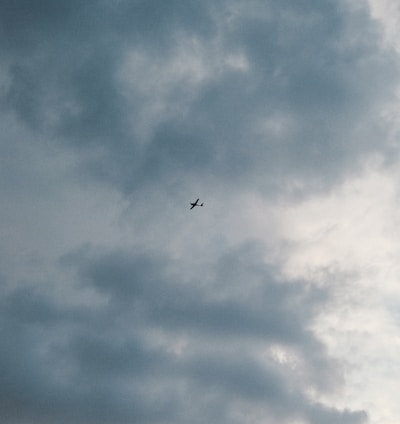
x=194, y=204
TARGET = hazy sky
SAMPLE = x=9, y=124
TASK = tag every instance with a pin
x=279, y=300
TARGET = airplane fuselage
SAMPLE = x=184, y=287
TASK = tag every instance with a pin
x=196, y=203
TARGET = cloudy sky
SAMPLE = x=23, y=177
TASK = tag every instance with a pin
x=279, y=300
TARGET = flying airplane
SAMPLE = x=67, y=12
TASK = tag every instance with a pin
x=196, y=204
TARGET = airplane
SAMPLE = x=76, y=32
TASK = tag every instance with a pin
x=196, y=204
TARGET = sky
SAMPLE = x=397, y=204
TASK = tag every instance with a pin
x=278, y=301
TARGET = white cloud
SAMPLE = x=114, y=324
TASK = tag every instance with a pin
x=349, y=239
x=167, y=84
x=387, y=13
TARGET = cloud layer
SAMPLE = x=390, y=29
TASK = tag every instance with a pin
x=119, y=304
x=156, y=348
x=150, y=92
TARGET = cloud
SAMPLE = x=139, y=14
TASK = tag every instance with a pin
x=192, y=98
x=157, y=342
x=121, y=305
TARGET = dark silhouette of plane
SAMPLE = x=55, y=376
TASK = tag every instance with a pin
x=196, y=203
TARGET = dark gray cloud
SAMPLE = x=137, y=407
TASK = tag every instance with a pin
x=150, y=352
x=114, y=114
x=315, y=71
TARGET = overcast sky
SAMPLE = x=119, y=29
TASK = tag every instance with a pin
x=276, y=302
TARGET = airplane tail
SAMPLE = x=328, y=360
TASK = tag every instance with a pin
x=202, y=204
